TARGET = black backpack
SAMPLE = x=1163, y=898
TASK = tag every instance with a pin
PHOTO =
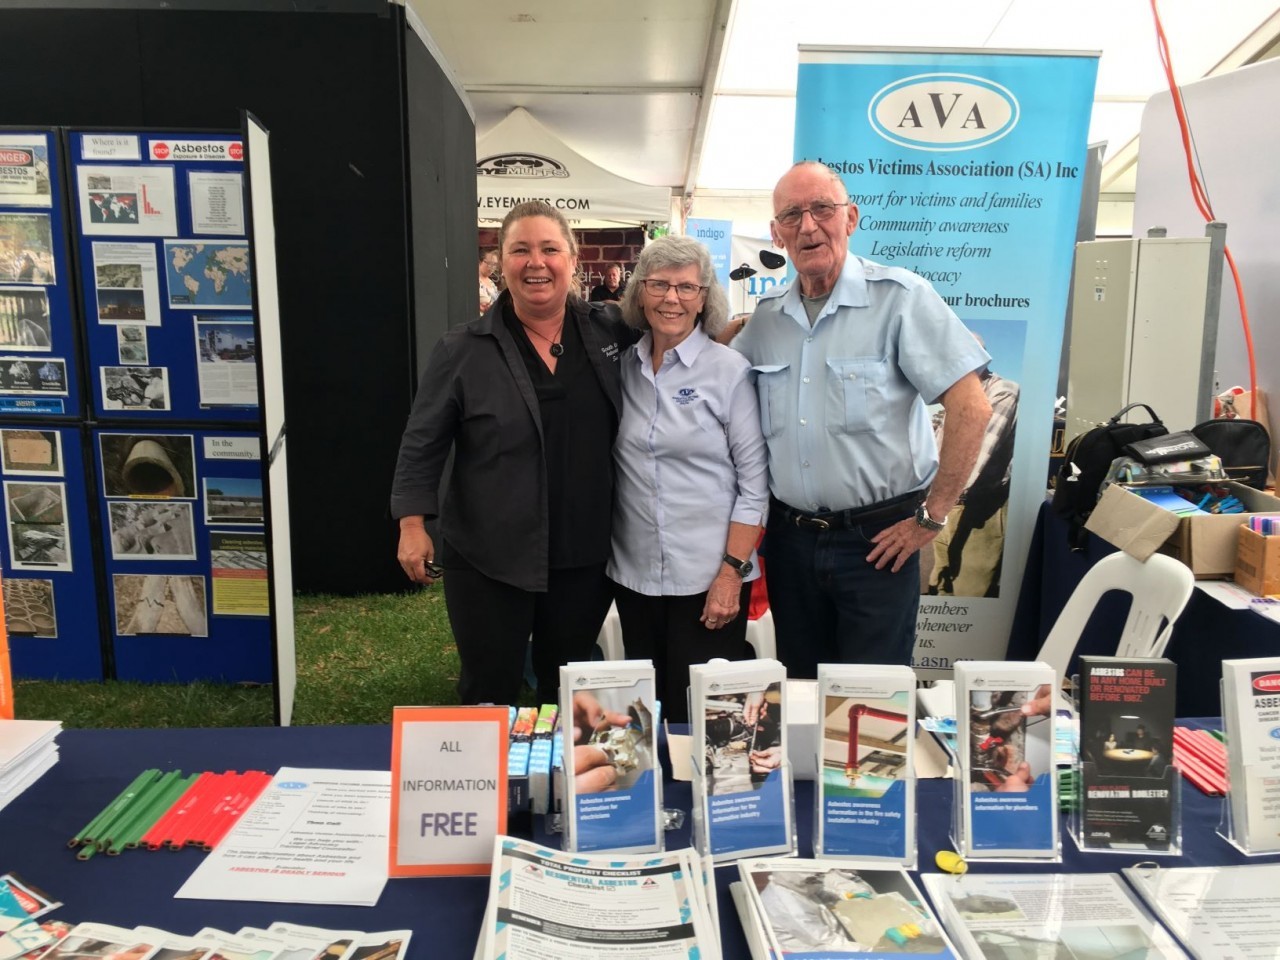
x=1085, y=466
x=1242, y=445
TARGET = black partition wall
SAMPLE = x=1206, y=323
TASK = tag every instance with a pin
x=373, y=160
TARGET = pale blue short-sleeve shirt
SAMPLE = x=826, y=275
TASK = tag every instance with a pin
x=842, y=402
x=689, y=459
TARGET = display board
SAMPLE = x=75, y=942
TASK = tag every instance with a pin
x=39, y=371
x=166, y=275
x=47, y=556
x=137, y=544
x=182, y=523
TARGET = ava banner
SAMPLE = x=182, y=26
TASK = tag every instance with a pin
x=966, y=168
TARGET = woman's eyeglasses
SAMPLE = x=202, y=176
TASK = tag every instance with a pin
x=684, y=291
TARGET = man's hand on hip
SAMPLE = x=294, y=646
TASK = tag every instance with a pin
x=896, y=544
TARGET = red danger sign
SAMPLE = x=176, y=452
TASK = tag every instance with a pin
x=1269, y=683
x=160, y=150
x=236, y=151
x=16, y=158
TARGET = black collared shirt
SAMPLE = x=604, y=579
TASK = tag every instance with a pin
x=578, y=429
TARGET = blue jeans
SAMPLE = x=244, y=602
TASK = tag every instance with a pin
x=830, y=605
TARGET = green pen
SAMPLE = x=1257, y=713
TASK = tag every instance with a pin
x=90, y=831
x=112, y=840
x=162, y=805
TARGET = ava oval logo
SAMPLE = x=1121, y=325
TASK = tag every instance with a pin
x=943, y=111
x=1274, y=733
x=522, y=166
x=1267, y=683
x=292, y=785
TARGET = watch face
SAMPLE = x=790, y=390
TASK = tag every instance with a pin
x=746, y=569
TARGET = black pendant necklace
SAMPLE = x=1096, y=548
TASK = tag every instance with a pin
x=557, y=348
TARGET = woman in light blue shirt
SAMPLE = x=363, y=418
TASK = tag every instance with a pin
x=692, y=476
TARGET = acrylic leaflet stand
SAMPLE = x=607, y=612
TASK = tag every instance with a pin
x=1247, y=785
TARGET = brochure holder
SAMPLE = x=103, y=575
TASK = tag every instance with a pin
x=612, y=777
x=1129, y=791
x=1251, y=714
x=1006, y=789
x=743, y=796
x=865, y=800
x=1169, y=782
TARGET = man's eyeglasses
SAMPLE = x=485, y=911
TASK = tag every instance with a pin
x=820, y=211
x=685, y=291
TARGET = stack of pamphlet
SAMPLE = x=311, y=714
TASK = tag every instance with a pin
x=280, y=941
x=743, y=801
x=834, y=909
x=548, y=903
x=27, y=751
x=1128, y=786
x=1251, y=711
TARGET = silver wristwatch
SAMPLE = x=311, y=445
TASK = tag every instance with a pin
x=926, y=521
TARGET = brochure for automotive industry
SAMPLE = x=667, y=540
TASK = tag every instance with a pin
x=547, y=903
x=831, y=909
x=1048, y=915
x=613, y=782
x=1007, y=794
x=1251, y=714
x=866, y=796
x=1219, y=913
x=743, y=801
x=1128, y=785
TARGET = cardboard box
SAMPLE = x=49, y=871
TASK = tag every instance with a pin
x=1258, y=562
x=1206, y=544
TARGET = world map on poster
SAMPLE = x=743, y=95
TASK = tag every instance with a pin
x=208, y=275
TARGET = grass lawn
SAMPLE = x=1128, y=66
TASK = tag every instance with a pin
x=357, y=658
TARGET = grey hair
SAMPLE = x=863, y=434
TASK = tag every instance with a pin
x=672, y=252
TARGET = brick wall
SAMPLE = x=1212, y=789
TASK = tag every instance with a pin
x=596, y=250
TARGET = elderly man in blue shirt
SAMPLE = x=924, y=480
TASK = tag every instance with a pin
x=845, y=359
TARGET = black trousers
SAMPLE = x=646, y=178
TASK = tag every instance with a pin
x=493, y=621
x=667, y=631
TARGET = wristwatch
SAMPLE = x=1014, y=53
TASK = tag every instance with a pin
x=926, y=521
x=743, y=567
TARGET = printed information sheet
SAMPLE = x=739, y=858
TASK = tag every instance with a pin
x=1219, y=913
x=325, y=832
x=1046, y=915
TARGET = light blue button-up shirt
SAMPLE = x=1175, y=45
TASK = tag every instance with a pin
x=842, y=403
x=690, y=458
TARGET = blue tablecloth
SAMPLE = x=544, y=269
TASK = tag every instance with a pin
x=138, y=886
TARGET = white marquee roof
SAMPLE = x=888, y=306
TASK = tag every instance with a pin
x=700, y=94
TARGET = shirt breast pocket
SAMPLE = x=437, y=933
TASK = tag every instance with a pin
x=855, y=394
x=771, y=389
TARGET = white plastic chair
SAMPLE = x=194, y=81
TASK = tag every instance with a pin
x=610, y=638
x=1161, y=587
x=761, y=636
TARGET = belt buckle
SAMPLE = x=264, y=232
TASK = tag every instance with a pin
x=818, y=522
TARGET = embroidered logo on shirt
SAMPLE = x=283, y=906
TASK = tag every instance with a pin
x=610, y=350
x=686, y=395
